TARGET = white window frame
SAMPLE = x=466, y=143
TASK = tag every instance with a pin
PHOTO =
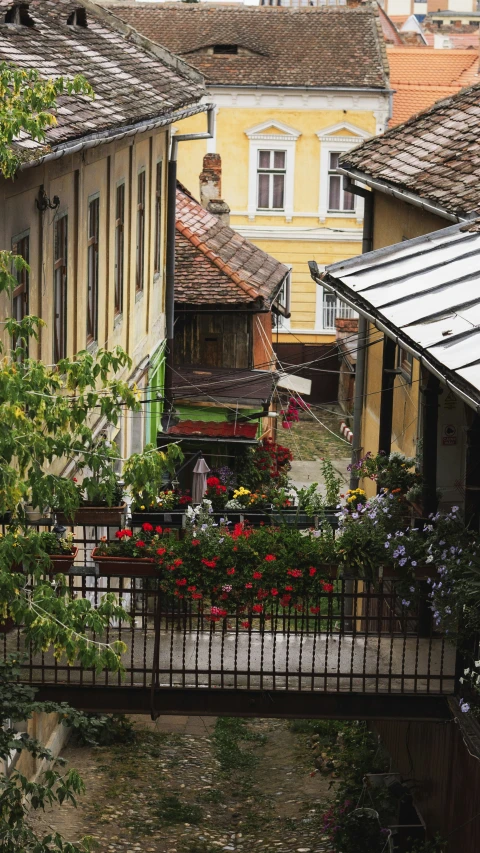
x=341, y=309
x=284, y=140
x=331, y=142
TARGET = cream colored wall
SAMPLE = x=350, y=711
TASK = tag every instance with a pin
x=394, y=221
x=233, y=145
x=140, y=329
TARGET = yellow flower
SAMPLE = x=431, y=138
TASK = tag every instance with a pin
x=142, y=507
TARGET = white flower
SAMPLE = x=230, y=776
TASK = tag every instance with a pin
x=429, y=559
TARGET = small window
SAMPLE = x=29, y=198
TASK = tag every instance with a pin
x=140, y=275
x=92, y=270
x=271, y=180
x=158, y=218
x=119, y=248
x=60, y=236
x=230, y=49
x=19, y=15
x=78, y=18
x=20, y=295
x=405, y=362
x=338, y=199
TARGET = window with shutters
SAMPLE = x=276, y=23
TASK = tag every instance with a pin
x=92, y=268
x=119, y=247
x=140, y=272
x=158, y=218
x=20, y=295
x=60, y=249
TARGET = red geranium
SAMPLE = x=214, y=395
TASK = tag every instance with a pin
x=274, y=591
x=195, y=541
x=327, y=587
x=140, y=544
x=312, y=571
x=257, y=576
x=210, y=564
x=315, y=610
x=147, y=527
x=289, y=589
x=181, y=581
x=121, y=533
x=158, y=530
x=191, y=588
x=270, y=558
x=245, y=624
x=231, y=571
x=178, y=562
x=161, y=551
x=257, y=608
x=197, y=595
x=248, y=585
x=295, y=573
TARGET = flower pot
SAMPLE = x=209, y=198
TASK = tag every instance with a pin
x=63, y=562
x=173, y=518
x=140, y=567
x=96, y=516
x=33, y=516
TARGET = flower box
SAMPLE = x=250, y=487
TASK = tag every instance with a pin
x=174, y=518
x=141, y=567
x=63, y=562
x=96, y=516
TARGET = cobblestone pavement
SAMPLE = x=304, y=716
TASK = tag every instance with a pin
x=309, y=440
x=197, y=785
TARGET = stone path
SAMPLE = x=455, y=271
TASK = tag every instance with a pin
x=197, y=785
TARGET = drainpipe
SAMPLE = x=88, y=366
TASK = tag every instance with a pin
x=170, y=258
x=367, y=246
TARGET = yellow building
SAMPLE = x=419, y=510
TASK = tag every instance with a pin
x=293, y=90
x=423, y=176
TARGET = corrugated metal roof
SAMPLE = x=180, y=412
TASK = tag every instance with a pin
x=426, y=292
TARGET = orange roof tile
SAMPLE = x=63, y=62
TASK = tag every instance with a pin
x=421, y=76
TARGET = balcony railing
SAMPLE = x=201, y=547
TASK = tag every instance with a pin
x=333, y=310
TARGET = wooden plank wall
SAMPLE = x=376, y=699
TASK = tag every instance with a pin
x=444, y=776
x=324, y=373
x=213, y=340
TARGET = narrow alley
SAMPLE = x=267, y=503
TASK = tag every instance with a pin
x=198, y=785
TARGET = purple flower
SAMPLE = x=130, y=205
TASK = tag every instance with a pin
x=464, y=707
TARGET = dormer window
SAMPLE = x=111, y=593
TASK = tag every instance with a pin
x=18, y=15
x=78, y=18
x=230, y=49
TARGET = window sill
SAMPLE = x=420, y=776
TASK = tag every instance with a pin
x=139, y=295
x=404, y=375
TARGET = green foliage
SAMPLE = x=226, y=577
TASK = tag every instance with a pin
x=98, y=730
x=393, y=471
x=332, y=483
x=145, y=473
x=230, y=736
x=172, y=810
x=28, y=103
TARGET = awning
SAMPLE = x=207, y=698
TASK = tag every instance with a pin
x=425, y=294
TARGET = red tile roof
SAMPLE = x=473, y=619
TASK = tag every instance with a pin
x=279, y=46
x=421, y=76
x=215, y=265
x=390, y=32
x=435, y=155
x=214, y=429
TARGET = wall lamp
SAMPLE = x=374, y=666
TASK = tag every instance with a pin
x=43, y=202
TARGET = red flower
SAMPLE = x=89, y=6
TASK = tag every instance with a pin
x=294, y=573
x=312, y=571
x=213, y=481
x=257, y=576
x=245, y=624
x=140, y=544
x=289, y=588
x=195, y=541
x=274, y=591
x=248, y=585
x=235, y=548
x=158, y=530
x=121, y=533
x=285, y=599
x=327, y=587
x=315, y=610
x=178, y=562
x=197, y=595
x=269, y=558
x=257, y=608
x=192, y=588
x=161, y=551
x=181, y=581
x=147, y=527
x=231, y=571
x=210, y=564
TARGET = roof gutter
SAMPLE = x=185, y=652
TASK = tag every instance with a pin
x=402, y=195
x=115, y=134
x=325, y=280
x=382, y=90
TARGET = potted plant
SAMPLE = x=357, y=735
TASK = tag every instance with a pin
x=100, y=494
x=146, y=478
x=130, y=553
x=61, y=550
x=356, y=830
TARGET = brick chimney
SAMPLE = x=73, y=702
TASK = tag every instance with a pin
x=211, y=187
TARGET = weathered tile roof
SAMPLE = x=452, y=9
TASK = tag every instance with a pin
x=421, y=76
x=435, y=155
x=222, y=384
x=278, y=46
x=215, y=265
x=133, y=80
